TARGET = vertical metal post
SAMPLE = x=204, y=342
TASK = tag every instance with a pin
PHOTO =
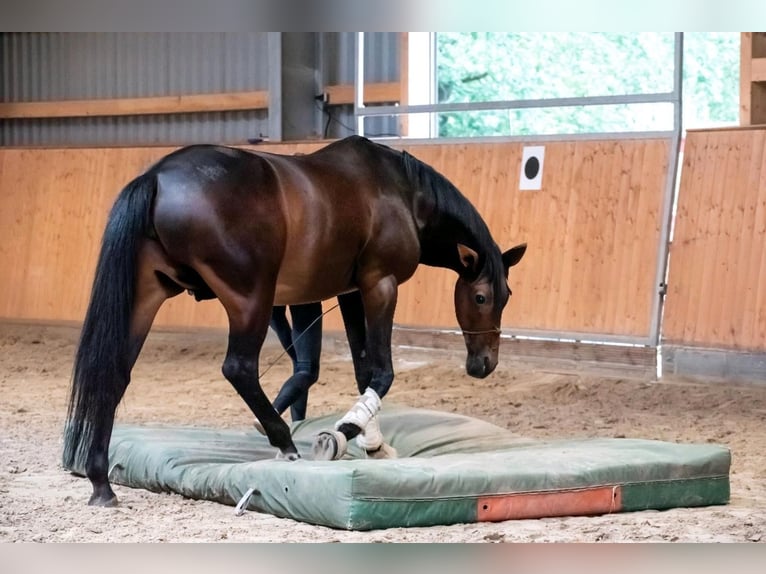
x=359, y=83
x=319, y=81
x=669, y=197
x=433, y=98
x=275, y=85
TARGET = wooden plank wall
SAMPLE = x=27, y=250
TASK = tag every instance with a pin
x=53, y=208
x=593, y=233
x=592, y=230
x=717, y=276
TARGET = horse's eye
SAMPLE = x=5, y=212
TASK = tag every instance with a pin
x=481, y=299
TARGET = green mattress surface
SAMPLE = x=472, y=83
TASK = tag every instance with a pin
x=451, y=469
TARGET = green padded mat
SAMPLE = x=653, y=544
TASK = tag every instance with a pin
x=451, y=469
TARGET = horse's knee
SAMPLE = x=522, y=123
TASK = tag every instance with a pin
x=235, y=369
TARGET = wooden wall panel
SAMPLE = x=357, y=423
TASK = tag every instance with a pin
x=53, y=208
x=717, y=276
x=51, y=243
x=593, y=233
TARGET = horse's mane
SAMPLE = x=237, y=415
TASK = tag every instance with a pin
x=451, y=205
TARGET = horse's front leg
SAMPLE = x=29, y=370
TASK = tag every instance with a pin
x=352, y=311
x=379, y=305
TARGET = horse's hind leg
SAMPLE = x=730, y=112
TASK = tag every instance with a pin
x=248, y=324
x=151, y=292
x=241, y=369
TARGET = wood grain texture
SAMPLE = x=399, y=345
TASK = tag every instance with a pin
x=374, y=93
x=717, y=278
x=592, y=230
x=219, y=102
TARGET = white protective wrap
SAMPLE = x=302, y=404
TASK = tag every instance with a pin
x=370, y=438
x=366, y=407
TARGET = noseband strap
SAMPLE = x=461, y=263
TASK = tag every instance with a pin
x=486, y=331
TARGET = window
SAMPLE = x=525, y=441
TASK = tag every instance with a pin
x=482, y=84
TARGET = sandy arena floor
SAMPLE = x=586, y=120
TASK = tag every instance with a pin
x=178, y=380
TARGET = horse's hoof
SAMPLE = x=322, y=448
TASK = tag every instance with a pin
x=382, y=452
x=288, y=456
x=329, y=445
x=103, y=501
x=371, y=438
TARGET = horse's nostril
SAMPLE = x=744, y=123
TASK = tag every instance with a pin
x=486, y=365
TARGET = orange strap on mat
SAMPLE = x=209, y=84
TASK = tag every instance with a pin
x=579, y=502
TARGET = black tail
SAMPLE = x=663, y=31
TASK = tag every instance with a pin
x=101, y=370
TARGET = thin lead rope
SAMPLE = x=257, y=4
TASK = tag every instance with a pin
x=291, y=345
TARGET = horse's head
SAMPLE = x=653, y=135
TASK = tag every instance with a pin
x=479, y=304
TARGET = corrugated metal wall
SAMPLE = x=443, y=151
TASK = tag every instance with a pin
x=381, y=57
x=60, y=66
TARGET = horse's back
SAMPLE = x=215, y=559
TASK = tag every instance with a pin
x=354, y=162
x=319, y=218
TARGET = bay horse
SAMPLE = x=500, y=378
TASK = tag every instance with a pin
x=253, y=229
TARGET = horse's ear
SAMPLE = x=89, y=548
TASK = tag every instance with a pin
x=468, y=257
x=514, y=255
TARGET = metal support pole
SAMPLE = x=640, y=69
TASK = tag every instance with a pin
x=669, y=196
x=359, y=83
x=275, y=85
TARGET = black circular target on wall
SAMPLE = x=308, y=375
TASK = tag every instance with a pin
x=531, y=167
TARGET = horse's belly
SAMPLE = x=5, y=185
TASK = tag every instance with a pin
x=299, y=283
x=324, y=260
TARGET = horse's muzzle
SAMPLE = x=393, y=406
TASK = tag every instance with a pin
x=479, y=366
